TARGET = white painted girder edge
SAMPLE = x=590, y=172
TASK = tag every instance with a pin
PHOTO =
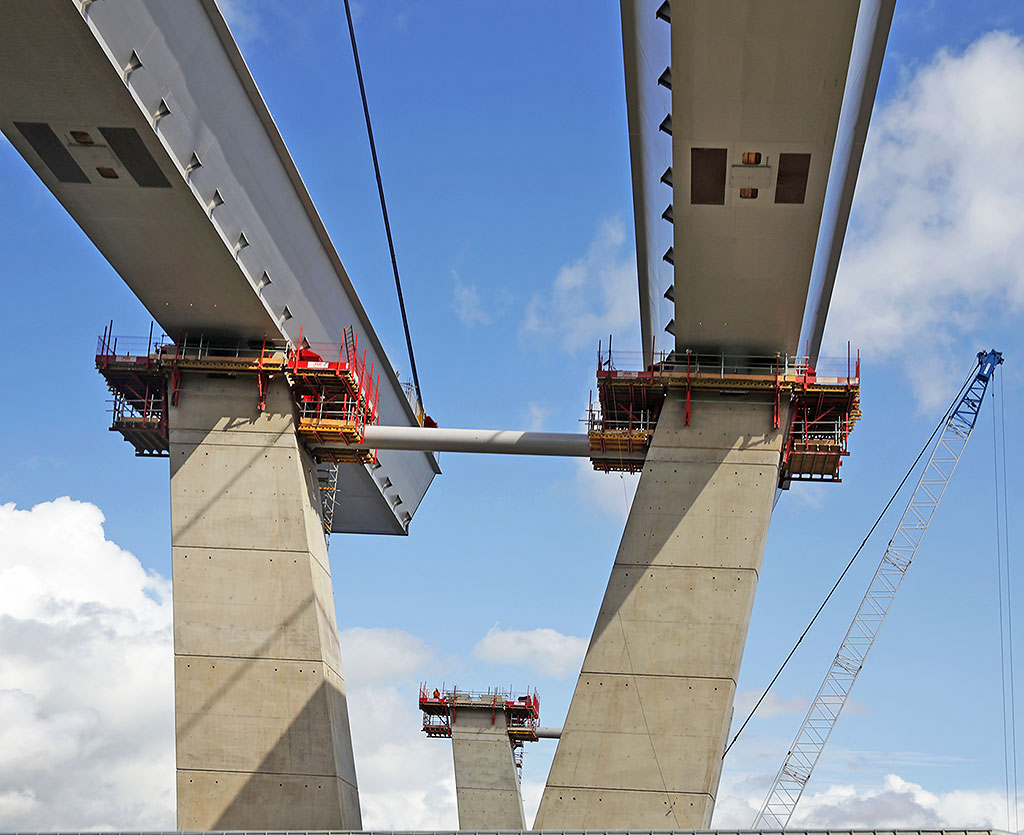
x=646, y=49
x=874, y=20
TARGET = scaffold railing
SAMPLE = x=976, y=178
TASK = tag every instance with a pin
x=703, y=364
x=818, y=401
x=335, y=390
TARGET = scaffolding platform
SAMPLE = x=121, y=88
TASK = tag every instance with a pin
x=823, y=407
x=440, y=708
x=335, y=394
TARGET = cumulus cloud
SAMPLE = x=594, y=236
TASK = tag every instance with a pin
x=86, y=696
x=895, y=803
x=591, y=297
x=467, y=304
x=773, y=704
x=406, y=781
x=531, y=791
x=611, y=493
x=375, y=654
x=933, y=254
x=545, y=651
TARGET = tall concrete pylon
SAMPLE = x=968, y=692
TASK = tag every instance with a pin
x=486, y=781
x=643, y=740
x=262, y=731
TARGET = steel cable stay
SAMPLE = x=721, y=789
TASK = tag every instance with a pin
x=384, y=211
x=1005, y=610
x=1009, y=602
x=795, y=772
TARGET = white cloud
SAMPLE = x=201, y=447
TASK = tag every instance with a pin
x=537, y=416
x=545, y=651
x=773, y=705
x=895, y=803
x=592, y=297
x=87, y=698
x=933, y=256
x=406, y=781
x=466, y=303
x=86, y=693
x=611, y=493
x=374, y=654
x=531, y=791
x=899, y=803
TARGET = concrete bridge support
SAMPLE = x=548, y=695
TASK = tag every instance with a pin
x=643, y=740
x=263, y=737
x=486, y=782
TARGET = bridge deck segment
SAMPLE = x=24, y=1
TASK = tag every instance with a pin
x=142, y=119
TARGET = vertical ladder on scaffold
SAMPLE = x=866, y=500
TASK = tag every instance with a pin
x=327, y=476
x=793, y=776
x=349, y=342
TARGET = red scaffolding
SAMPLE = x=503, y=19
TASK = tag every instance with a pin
x=335, y=393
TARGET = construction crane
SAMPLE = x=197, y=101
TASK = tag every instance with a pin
x=793, y=776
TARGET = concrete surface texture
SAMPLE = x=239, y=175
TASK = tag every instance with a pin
x=263, y=738
x=643, y=740
x=486, y=782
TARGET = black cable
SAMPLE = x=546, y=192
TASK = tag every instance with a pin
x=1009, y=600
x=1002, y=614
x=383, y=203
x=849, y=565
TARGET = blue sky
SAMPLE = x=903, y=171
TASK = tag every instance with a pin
x=501, y=134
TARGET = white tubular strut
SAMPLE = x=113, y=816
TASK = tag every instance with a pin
x=507, y=442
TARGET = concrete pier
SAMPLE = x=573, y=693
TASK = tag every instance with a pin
x=486, y=782
x=643, y=740
x=263, y=738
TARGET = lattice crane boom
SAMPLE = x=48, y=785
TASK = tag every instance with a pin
x=821, y=718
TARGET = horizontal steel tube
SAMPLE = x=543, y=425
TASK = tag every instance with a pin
x=477, y=440
x=549, y=733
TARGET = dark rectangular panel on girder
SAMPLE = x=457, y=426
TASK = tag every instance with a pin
x=707, y=176
x=131, y=150
x=52, y=151
x=791, y=185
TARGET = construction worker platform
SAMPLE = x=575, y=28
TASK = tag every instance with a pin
x=823, y=407
x=335, y=394
x=440, y=708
